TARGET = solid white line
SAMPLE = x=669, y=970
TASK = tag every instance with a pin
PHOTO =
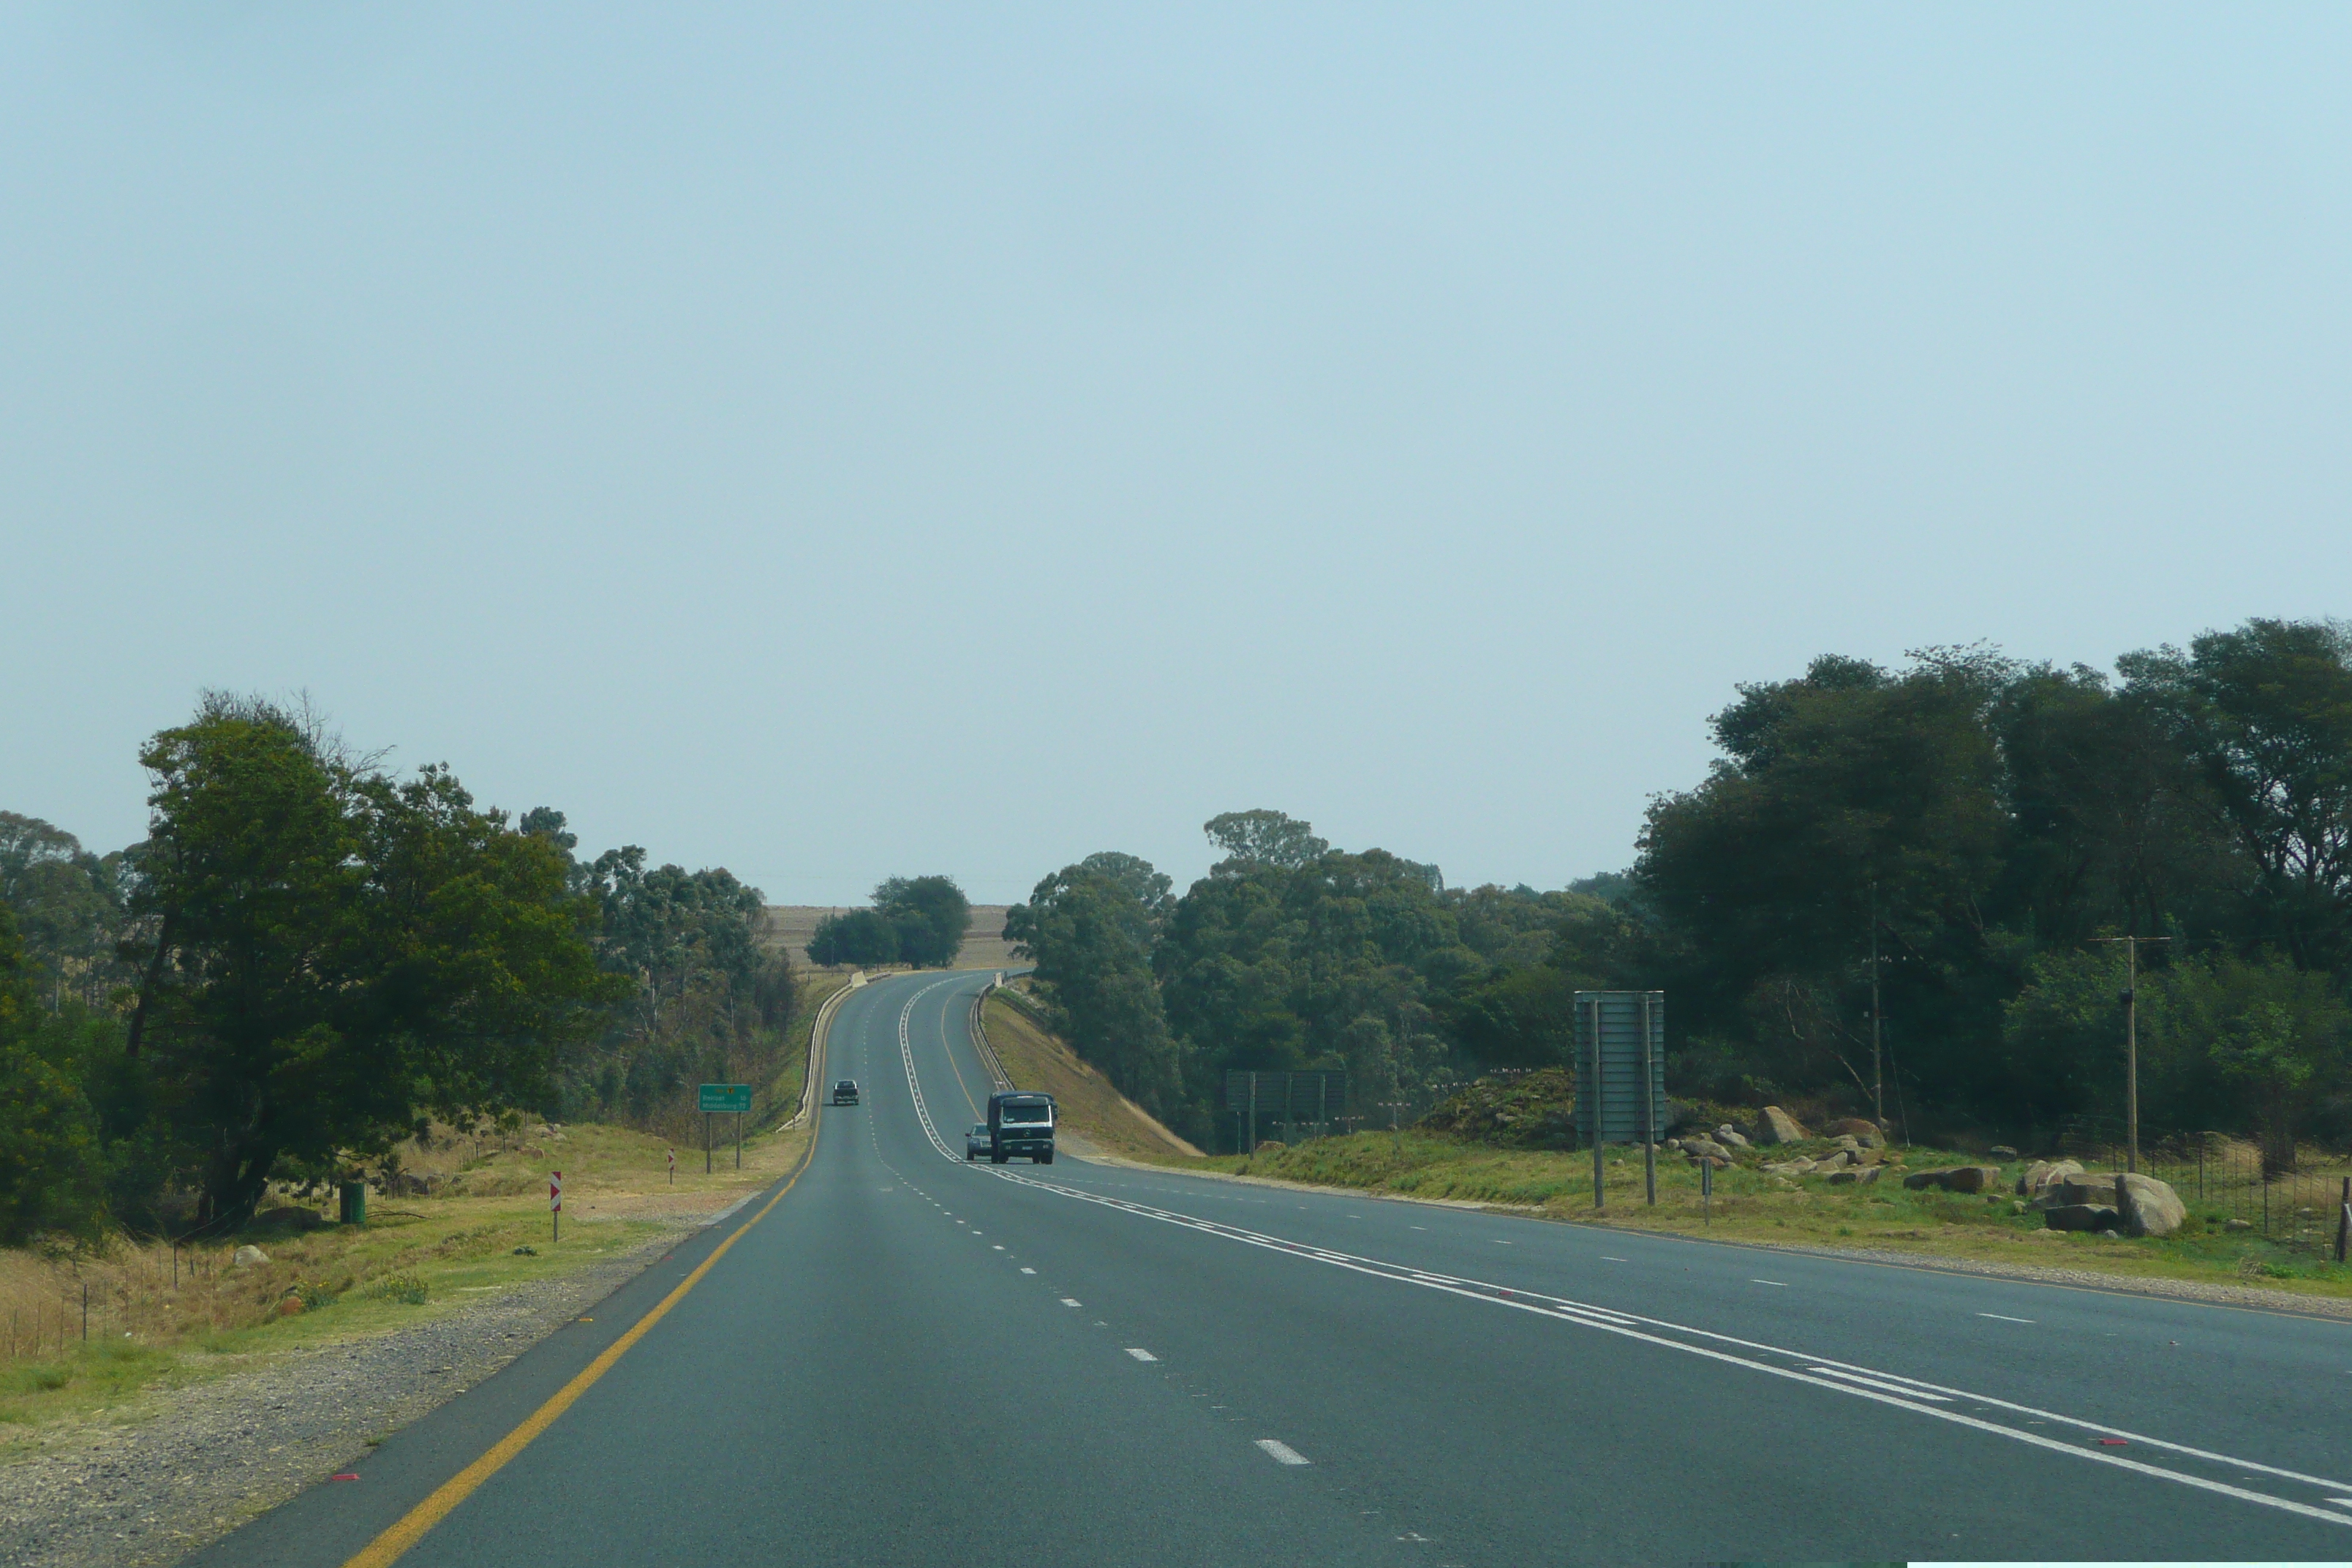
x=1881, y=1384
x=1280, y=1452
x=1139, y=1354
x=2004, y=1316
x=1776, y=1284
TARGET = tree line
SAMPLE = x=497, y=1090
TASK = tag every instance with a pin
x=1967, y=829
x=309, y=960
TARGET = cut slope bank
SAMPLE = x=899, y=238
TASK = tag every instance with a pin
x=1100, y=1118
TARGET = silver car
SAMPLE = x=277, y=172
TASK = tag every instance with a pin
x=978, y=1141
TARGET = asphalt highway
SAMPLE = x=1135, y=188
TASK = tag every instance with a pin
x=915, y=1359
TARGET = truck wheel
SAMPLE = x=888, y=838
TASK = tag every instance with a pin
x=1046, y=1158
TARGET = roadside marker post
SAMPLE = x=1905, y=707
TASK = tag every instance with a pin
x=673, y=1167
x=555, y=1202
x=1707, y=1192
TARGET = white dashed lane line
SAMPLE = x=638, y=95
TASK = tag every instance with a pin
x=1280, y=1452
x=1139, y=1354
x=1776, y=1284
x=1028, y=1271
x=2004, y=1316
x=1067, y=1301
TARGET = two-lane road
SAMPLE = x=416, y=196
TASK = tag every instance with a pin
x=914, y=1358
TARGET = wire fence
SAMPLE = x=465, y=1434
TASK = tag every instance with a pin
x=2218, y=1175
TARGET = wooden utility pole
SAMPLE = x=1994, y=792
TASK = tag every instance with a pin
x=1877, y=1072
x=2131, y=1044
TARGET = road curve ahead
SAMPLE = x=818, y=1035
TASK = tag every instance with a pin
x=912, y=1359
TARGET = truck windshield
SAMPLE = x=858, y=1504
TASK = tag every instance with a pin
x=1026, y=1113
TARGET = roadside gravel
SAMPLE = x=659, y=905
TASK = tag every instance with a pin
x=152, y=1482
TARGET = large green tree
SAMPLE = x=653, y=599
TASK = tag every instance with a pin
x=1091, y=930
x=929, y=915
x=331, y=955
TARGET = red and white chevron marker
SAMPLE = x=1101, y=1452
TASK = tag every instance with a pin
x=673, y=1167
x=555, y=1200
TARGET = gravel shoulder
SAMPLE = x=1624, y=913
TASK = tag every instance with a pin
x=151, y=1482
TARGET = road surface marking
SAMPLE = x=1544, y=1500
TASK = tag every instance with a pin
x=1028, y=1271
x=2004, y=1316
x=998, y=1247
x=1879, y=1383
x=1280, y=1452
x=1606, y=1258
x=1067, y=1301
x=412, y=1526
x=1139, y=1354
x=1776, y=1284
x=1654, y=1330
x=2338, y=1501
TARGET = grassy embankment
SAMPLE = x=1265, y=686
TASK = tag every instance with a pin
x=1085, y=1102
x=1750, y=1205
x=416, y=1258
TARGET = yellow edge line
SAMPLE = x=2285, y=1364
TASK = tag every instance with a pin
x=412, y=1526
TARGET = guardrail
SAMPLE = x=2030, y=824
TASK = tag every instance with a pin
x=979, y=1035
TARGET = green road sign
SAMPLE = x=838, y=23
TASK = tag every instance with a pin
x=734, y=1096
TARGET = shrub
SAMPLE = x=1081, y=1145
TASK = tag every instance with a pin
x=405, y=1289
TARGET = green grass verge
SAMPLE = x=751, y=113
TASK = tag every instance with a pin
x=1748, y=1205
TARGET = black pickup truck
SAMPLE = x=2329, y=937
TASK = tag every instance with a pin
x=846, y=1092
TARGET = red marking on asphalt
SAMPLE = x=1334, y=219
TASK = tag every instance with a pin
x=348, y=1476
x=2115, y=1443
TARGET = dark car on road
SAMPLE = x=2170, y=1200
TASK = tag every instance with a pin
x=980, y=1141
x=846, y=1092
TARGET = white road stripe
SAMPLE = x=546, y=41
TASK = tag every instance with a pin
x=2004, y=1316
x=1028, y=1271
x=1776, y=1284
x=1067, y=1301
x=1280, y=1452
x=1139, y=1354
x=1881, y=1384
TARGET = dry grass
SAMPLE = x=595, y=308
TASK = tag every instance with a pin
x=148, y=1330
x=1086, y=1103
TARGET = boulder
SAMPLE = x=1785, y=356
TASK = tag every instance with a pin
x=1955, y=1179
x=2147, y=1206
x=2237, y=1225
x=2002, y=1151
x=1730, y=1137
x=2081, y=1216
x=1856, y=1176
x=2078, y=1190
x=1796, y=1167
x=289, y=1218
x=2037, y=1177
x=248, y=1257
x=1836, y=1159
x=1708, y=1147
x=1271, y=1146
x=1869, y=1134
x=1774, y=1125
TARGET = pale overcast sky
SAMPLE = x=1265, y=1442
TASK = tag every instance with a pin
x=839, y=441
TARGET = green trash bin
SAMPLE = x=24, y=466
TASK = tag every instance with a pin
x=355, y=1196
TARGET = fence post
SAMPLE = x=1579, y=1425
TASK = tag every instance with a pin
x=2344, y=1221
